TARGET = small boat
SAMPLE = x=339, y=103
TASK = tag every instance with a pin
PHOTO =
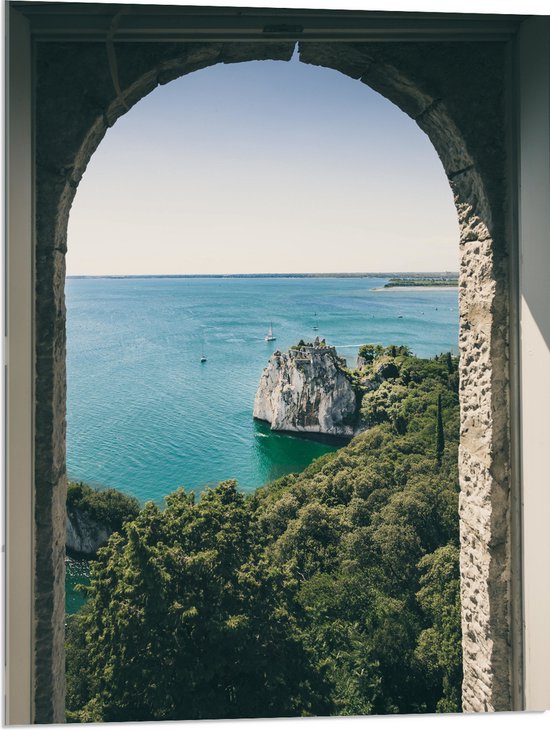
x=203, y=358
x=270, y=336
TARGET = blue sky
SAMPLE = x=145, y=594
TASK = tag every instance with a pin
x=265, y=166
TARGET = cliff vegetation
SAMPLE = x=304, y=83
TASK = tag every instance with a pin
x=93, y=514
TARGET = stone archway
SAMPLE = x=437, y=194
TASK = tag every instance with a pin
x=455, y=92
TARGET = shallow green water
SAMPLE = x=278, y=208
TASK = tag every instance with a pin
x=77, y=574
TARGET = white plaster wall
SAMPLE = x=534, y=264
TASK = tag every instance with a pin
x=534, y=236
x=18, y=358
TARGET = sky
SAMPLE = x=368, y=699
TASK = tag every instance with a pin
x=263, y=167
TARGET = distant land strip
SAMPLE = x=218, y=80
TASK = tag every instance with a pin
x=413, y=278
x=422, y=281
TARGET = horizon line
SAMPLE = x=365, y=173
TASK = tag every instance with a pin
x=290, y=274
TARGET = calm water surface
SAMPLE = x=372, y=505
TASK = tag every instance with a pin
x=144, y=415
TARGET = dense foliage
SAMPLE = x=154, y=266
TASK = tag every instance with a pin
x=333, y=591
x=106, y=506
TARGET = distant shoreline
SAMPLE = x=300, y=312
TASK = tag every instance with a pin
x=339, y=275
x=424, y=287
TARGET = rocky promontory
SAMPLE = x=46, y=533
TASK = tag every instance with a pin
x=93, y=515
x=308, y=390
x=84, y=535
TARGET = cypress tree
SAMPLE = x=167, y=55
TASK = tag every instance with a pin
x=440, y=436
x=450, y=366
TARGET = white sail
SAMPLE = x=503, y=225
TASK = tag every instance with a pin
x=270, y=336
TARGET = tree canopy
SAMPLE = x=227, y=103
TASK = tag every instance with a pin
x=332, y=591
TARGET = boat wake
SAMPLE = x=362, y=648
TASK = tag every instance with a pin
x=348, y=347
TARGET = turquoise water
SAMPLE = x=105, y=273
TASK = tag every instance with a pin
x=77, y=573
x=145, y=416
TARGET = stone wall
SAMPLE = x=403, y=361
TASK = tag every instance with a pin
x=454, y=91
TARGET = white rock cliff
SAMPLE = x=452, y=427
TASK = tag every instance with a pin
x=84, y=534
x=307, y=390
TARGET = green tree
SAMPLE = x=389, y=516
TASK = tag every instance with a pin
x=440, y=435
x=370, y=352
x=439, y=646
x=107, y=506
x=186, y=621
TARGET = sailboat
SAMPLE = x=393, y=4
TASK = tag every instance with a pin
x=203, y=356
x=270, y=336
x=315, y=327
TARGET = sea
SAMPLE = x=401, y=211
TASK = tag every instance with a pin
x=146, y=416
